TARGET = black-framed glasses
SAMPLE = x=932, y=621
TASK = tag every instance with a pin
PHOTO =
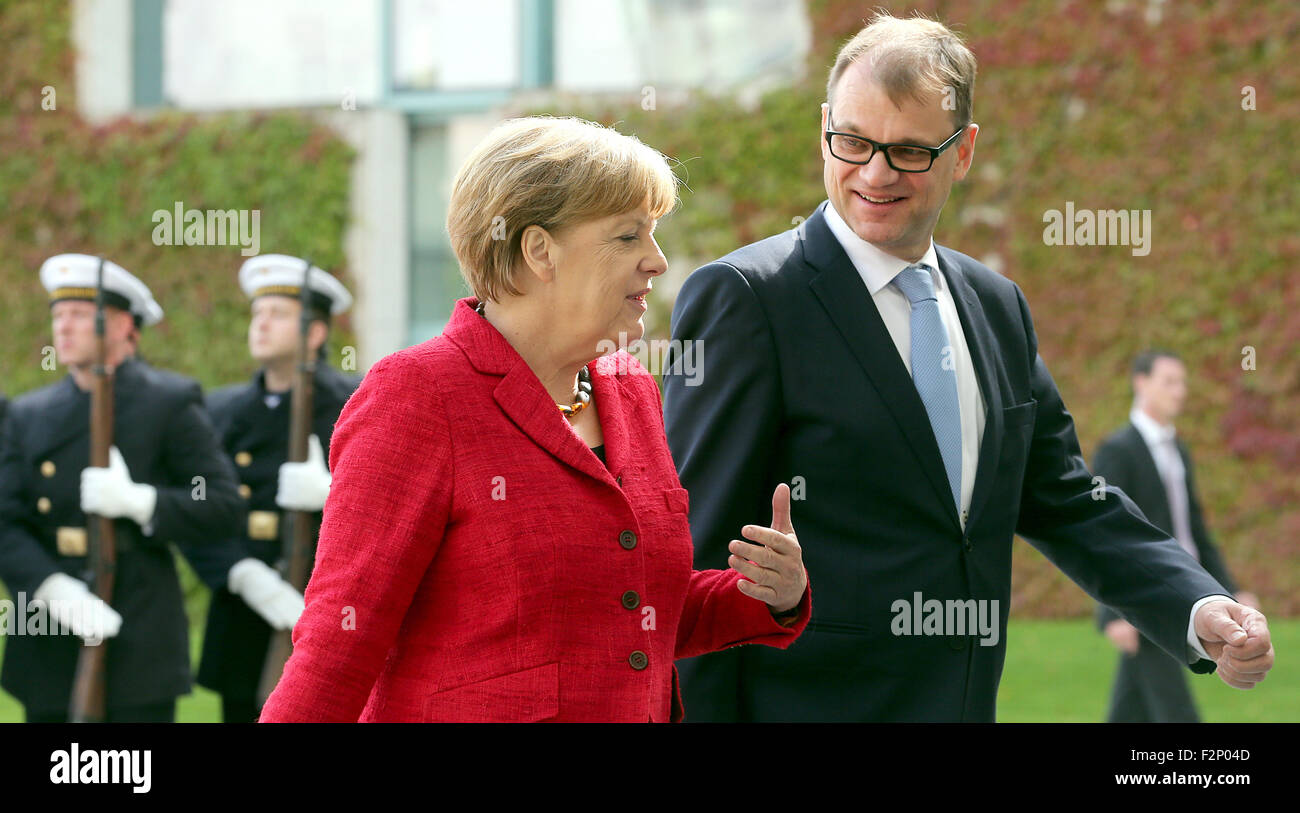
x=856, y=149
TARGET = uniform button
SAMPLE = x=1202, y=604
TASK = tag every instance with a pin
x=47, y=468
x=956, y=642
x=966, y=545
x=43, y=505
x=245, y=491
x=627, y=539
x=243, y=458
x=639, y=660
x=631, y=600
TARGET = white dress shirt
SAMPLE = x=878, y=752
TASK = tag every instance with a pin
x=1160, y=443
x=878, y=270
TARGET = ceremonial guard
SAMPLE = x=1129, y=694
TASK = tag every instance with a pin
x=253, y=422
x=166, y=480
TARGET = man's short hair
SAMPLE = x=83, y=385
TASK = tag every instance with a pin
x=916, y=57
x=1146, y=360
x=548, y=172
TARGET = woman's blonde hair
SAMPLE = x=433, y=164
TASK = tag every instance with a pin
x=549, y=172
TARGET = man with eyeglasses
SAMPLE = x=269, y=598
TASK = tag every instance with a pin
x=897, y=386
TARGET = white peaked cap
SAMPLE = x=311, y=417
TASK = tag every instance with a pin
x=281, y=274
x=76, y=276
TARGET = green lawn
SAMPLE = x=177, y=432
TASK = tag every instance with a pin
x=1061, y=671
x=1057, y=671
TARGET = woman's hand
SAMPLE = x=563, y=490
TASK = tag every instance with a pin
x=774, y=567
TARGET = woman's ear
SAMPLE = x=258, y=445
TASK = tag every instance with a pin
x=538, y=248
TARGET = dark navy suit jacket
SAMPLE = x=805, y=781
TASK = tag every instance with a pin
x=800, y=379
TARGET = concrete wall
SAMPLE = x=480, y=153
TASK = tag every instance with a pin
x=101, y=35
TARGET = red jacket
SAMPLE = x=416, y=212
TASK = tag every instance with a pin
x=477, y=562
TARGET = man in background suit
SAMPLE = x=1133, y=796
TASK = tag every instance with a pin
x=1146, y=461
x=897, y=385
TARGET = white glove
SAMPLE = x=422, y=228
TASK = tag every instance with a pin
x=261, y=588
x=304, y=486
x=111, y=493
x=72, y=606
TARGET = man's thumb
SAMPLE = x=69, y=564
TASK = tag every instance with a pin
x=1228, y=630
x=781, y=509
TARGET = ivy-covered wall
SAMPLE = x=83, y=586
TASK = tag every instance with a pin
x=69, y=186
x=1120, y=105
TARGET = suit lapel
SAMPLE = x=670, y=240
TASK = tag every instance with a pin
x=608, y=392
x=524, y=400
x=980, y=341
x=847, y=301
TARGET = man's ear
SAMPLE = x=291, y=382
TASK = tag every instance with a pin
x=965, y=148
x=120, y=331
x=1139, y=382
x=119, y=325
x=821, y=138
x=538, y=248
x=317, y=333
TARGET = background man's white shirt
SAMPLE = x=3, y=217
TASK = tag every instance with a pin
x=1160, y=443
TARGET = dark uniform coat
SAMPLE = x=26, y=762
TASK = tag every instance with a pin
x=167, y=441
x=256, y=437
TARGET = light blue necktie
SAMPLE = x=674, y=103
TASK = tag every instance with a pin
x=934, y=370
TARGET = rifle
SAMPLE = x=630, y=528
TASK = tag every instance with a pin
x=297, y=536
x=89, y=684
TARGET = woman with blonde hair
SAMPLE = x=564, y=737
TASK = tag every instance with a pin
x=506, y=538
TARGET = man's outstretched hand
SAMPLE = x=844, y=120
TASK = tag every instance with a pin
x=1237, y=638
